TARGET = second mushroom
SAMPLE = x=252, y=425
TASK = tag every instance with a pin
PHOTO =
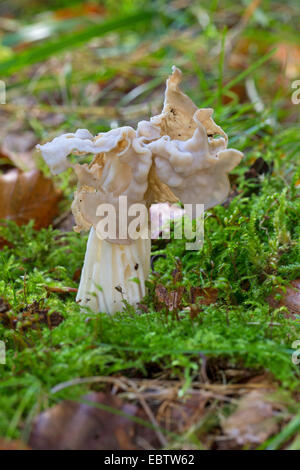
x=174, y=156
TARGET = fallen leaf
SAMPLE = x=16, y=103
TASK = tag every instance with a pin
x=254, y=420
x=27, y=196
x=206, y=296
x=180, y=415
x=18, y=147
x=75, y=426
x=290, y=299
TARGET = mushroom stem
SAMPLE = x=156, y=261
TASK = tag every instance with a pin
x=113, y=274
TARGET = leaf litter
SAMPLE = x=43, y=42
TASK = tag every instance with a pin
x=115, y=418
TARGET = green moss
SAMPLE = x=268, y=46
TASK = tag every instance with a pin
x=250, y=248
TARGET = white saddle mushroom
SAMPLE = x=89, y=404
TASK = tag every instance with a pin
x=174, y=156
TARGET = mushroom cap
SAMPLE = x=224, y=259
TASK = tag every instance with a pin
x=196, y=170
x=120, y=167
x=175, y=155
x=188, y=158
x=121, y=171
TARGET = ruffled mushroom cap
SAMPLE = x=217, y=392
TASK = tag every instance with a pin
x=175, y=155
x=177, y=117
x=195, y=170
x=188, y=158
x=55, y=152
x=120, y=168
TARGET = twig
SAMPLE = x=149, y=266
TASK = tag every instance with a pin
x=149, y=413
x=106, y=112
x=122, y=383
x=203, y=372
x=146, y=383
x=87, y=380
x=234, y=34
x=61, y=290
x=205, y=386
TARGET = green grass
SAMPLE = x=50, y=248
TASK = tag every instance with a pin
x=251, y=247
x=68, y=41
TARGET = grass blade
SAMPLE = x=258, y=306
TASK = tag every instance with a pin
x=286, y=433
x=68, y=41
x=249, y=70
x=42, y=30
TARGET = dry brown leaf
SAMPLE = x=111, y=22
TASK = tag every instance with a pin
x=179, y=415
x=290, y=299
x=205, y=296
x=27, y=196
x=254, y=419
x=76, y=426
x=18, y=146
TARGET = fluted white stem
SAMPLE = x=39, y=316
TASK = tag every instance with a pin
x=112, y=273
